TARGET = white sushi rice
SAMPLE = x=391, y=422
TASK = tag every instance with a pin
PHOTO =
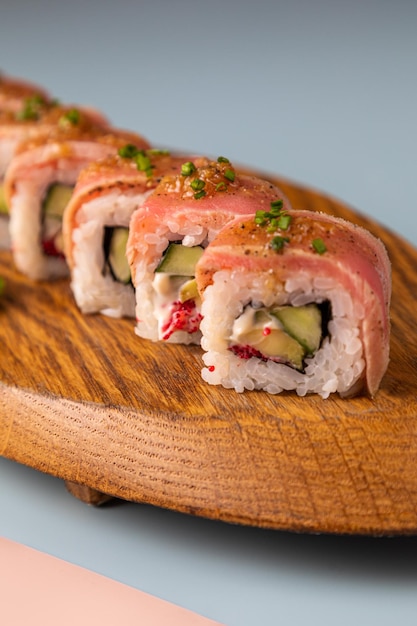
x=336, y=366
x=151, y=307
x=26, y=224
x=95, y=291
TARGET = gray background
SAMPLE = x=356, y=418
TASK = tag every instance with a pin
x=321, y=92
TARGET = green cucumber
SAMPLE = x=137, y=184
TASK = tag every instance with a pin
x=3, y=206
x=277, y=344
x=56, y=199
x=117, y=260
x=303, y=323
x=180, y=260
x=188, y=290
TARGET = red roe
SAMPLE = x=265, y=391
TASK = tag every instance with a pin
x=246, y=352
x=49, y=248
x=184, y=316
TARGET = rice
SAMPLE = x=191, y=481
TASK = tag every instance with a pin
x=336, y=366
x=93, y=289
x=26, y=225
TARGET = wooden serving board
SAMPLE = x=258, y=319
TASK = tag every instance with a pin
x=84, y=399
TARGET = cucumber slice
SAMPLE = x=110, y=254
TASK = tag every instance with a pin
x=3, y=206
x=56, y=199
x=277, y=344
x=180, y=260
x=117, y=255
x=188, y=290
x=303, y=323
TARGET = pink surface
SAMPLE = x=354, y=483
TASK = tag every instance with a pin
x=42, y=590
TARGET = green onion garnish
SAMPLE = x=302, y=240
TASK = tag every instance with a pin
x=143, y=162
x=278, y=242
x=261, y=217
x=319, y=246
x=188, y=168
x=31, y=108
x=129, y=151
x=199, y=194
x=70, y=117
x=230, y=175
x=284, y=221
x=221, y=187
x=158, y=152
x=197, y=184
x=276, y=205
x=272, y=218
x=222, y=159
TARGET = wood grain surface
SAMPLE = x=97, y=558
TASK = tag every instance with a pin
x=84, y=399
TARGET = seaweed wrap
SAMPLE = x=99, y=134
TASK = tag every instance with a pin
x=169, y=233
x=295, y=301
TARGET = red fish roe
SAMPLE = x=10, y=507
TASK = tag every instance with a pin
x=184, y=316
x=246, y=352
x=49, y=248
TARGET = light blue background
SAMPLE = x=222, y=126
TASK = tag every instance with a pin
x=322, y=92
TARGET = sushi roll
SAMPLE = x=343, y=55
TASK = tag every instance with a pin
x=36, y=117
x=295, y=301
x=15, y=127
x=96, y=226
x=169, y=233
x=39, y=182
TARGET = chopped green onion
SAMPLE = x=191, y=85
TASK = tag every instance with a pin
x=261, y=217
x=72, y=117
x=319, y=245
x=221, y=187
x=30, y=110
x=278, y=242
x=276, y=205
x=222, y=159
x=129, y=151
x=230, y=175
x=143, y=162
x=199, y=194
x=158, y=152
x=284, y=221
x=188, y=168
x=197, y=184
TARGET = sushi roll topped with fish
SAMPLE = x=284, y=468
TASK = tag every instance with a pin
x=40, y=179
x=96, y=225
x=170, y=231
x=295, y=301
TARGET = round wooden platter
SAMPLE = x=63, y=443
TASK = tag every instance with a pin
x=84, y=399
